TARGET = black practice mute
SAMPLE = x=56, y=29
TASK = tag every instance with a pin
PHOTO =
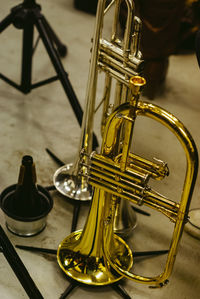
x=26, y=204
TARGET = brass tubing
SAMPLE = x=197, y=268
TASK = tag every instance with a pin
x=117, y=66
x=96, y=256
x=106, y=97
x=131, y=191
x=136, y=162
x=106, y=186
x=116, y=75
x=157, y=171
x=111, y=50
x=88, y=119
x=109, y=6
x=170, y=211
x=115, y=22
x=80, y=255
x=140, y=178
x=137, y=33
x=129, y=29
x=110, y=178
x=67, y=179
x=186, y=140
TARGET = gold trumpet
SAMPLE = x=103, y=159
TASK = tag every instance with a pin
x=97, y=256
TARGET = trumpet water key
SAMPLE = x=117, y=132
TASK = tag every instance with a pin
x=96, y=255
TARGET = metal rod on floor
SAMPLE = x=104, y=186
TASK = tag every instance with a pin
x=69, y=289
x=37, y=249
x=121, y=291
x=18, y=267
x=76, y=211
x=147, y=253
x=54, y=157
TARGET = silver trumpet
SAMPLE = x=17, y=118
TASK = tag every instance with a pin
x=119, y=59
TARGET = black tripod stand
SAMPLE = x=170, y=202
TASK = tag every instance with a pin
x=25, y=16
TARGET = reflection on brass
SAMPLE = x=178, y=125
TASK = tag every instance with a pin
x=97, y=256
x=119, y=58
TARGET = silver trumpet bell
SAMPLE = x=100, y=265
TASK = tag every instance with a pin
x=68, y=183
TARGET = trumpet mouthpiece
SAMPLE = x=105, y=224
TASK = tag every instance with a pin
x=136, y=84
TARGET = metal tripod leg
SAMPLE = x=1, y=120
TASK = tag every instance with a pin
x=69, y=289
x=77, y=206
x=3, y=25
x=62, y=49
x=39, y=22
x=25, y=17
x=27, y=58
x=149, y=253
x=121, y=291
x=18, y=267
x=6, y=22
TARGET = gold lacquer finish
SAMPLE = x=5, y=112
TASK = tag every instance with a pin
x=118, y=57
x=96, y=256
x=81, y=256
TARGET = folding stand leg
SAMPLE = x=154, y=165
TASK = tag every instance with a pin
x=18, y=267
x=40, y=24
x=27, y=58
x=6, y=22
x=62, y=49
x=77, y=207
x=149, y=253
x=69, y=289
x=121, y=291
x=25, y=16
x=50, y=188
x=55, y=158
x=3, y=25
x=76, y=211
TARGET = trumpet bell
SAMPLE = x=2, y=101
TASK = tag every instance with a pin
x=91, y=269
x=70, y=185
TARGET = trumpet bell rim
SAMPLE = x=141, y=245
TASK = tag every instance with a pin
x=90, y=270
x=71, y=185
